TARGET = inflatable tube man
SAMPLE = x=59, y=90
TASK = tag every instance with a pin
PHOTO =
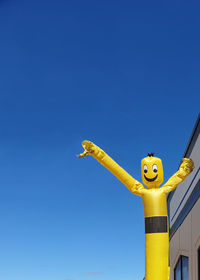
x=154, y=201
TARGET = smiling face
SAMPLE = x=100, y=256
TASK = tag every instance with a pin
x=152, y=172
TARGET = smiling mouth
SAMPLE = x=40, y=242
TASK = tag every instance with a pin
x=151, y=179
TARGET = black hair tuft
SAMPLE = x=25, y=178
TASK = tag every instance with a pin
x=150, y=155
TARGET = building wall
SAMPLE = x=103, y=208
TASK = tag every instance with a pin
x=184, y=212
x=184, y=190
x=186, y=241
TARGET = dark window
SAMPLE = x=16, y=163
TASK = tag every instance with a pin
x=185, y=268
x=181, y=269
x=199, y=263
x=177, y=271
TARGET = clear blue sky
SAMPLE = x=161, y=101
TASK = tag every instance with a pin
x=124, y=74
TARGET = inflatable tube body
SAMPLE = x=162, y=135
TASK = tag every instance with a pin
x=154, y=202
x=156, y=221
x=156, y=235
x=156, y=256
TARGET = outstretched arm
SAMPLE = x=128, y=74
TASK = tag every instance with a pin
x=132, y=184
x=185, y=169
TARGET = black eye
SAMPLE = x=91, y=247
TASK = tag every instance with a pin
x=155, y=168
x=145, y=168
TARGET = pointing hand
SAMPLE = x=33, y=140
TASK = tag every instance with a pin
x=91, y=148
x=88, y=148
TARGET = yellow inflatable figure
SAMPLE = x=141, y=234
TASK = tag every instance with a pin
x=154, y=201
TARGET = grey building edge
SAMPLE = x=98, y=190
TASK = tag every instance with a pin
x=195, y=193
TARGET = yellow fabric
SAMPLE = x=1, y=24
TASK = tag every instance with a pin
x=156, y=256
x=154, y=201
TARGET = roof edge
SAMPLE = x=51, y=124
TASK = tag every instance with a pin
x=197, y=123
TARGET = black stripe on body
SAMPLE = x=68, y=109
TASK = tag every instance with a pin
x=156, y=224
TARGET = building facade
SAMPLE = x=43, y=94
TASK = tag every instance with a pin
x=184, y=218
